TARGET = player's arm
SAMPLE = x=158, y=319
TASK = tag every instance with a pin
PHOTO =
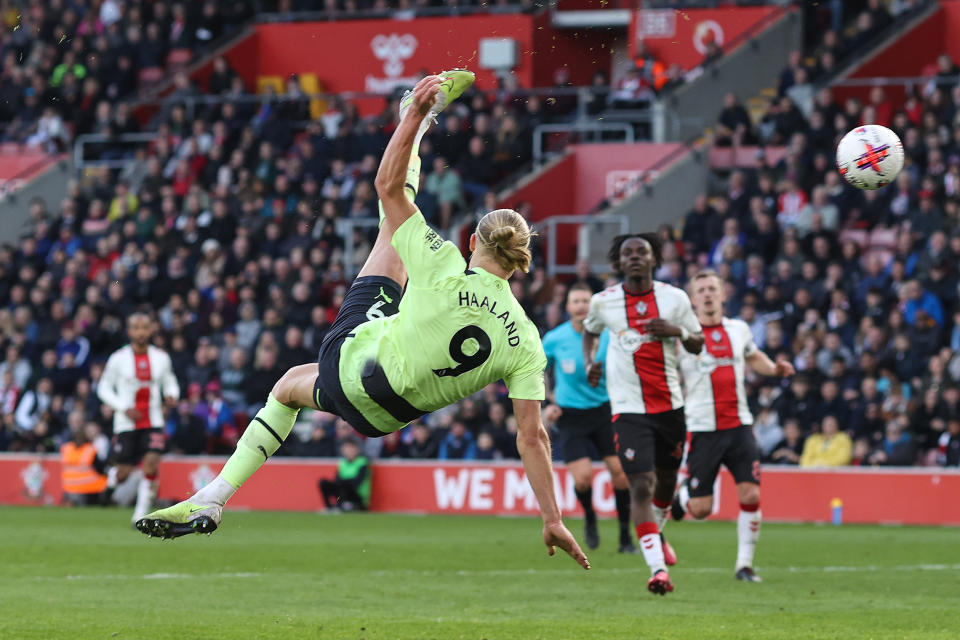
x=392, y=174
x=687, y=328
x=593, y=326
x=762, y=364
x=107, y=387
x=170, y=386
x=533, y=443
x=593, y=366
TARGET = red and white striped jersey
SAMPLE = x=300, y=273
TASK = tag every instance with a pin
x=642, y=371
x=131, y=381
x=716, y=398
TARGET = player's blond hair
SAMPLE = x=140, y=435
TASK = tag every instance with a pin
x=706, y=273
x=505, y=235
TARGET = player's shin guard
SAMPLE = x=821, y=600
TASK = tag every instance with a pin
x=748, y=532
x=264, y=435
x=649, y=535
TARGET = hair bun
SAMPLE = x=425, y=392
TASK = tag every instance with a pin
x=503, y=236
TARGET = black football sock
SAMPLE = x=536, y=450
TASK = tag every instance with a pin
x=622, y=497
x=586, y=501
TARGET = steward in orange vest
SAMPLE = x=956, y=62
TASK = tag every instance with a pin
x=81, y=471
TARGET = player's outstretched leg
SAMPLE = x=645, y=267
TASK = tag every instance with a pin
x=201, y=512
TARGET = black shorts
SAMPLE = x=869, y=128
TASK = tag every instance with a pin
x=369, y=298
x=585, y=433
x=648, y=441
x=736, y=449
x=129, y=447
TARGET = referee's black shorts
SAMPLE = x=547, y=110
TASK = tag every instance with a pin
x=585, y=433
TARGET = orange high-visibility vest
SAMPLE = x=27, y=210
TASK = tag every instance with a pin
x=76, y=469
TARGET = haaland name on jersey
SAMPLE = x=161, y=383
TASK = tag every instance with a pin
x=469, y=299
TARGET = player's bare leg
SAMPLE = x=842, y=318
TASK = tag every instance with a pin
x=621, y=495
x=642, y=486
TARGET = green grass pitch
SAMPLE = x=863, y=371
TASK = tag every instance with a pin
x=72, y=573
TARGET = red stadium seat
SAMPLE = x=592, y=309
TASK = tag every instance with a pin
x=179, y=58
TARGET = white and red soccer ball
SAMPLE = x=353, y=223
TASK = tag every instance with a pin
x=870, y=157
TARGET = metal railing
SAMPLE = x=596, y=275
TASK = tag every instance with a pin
x=118, y=149
x=591, y=132
x=590, y=227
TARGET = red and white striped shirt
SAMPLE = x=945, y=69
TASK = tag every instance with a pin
x=131, y=381
x=642, y=371
x=713, y=379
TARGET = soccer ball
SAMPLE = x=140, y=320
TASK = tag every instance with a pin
x=870, y=157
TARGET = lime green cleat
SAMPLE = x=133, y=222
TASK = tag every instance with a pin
x=457, y=81
x=180, y=519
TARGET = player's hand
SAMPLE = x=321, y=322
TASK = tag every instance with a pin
x=425, y=94
x=660, y=328
x=557, y=535
x=133, y=414
x=552, y=413
x=784, y=368
x=594, y=373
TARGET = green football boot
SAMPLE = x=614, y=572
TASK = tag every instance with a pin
x=457, y=81
x=180, y=519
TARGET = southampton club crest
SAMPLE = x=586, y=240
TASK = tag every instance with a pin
x=641, y=308
x=716, y=335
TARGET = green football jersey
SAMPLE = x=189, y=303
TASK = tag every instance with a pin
x=457, y=330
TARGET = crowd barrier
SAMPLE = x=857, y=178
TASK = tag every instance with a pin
x=894, y=496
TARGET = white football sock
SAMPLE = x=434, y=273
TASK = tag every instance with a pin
x=660, y=515
x=684, y=495
x=146, y=492
x=748, y=531
x=653, y=552
x=217, y=492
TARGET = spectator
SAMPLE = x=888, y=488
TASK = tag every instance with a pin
x=829, y=448
x=458, y=444
x=350, y=489
x=897, y=448
x=789, y=450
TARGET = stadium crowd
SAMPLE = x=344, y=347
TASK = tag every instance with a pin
x=228, y=227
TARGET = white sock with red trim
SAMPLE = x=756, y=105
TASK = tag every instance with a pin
x=661, y=512
x=748, y=531
x=649, y=536
x=146, y=493
x=684, y=496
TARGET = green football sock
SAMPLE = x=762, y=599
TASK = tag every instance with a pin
x=264, y=435
x=410, y=187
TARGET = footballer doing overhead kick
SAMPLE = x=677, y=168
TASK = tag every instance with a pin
x=648, y=322
x=391, y=357
x=719, y=417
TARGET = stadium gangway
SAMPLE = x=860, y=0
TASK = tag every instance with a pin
x=593, y=237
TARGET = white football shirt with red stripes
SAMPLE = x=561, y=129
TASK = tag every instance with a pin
x=713, y=379
x=132, y=381
x=642, y=371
